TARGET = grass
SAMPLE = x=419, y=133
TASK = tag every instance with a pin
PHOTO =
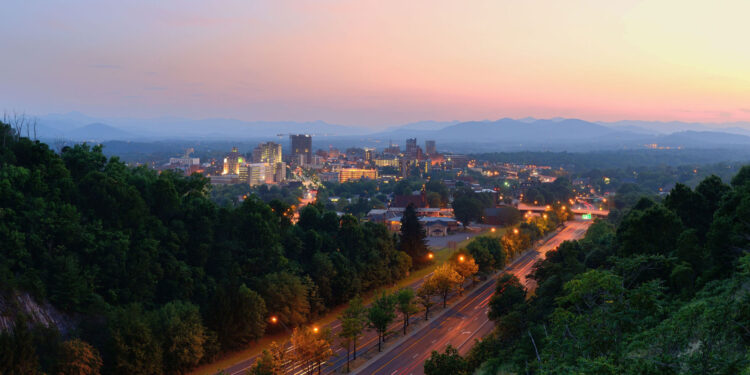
x=230, y=359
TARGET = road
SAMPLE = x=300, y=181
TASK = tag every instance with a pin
x=368, y=341
x=465, y=321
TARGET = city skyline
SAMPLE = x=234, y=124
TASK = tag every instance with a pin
x=379, y=63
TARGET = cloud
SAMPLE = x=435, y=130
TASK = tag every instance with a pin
x=155, y=88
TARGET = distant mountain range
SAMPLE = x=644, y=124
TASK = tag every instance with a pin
x=76, y=126
x=505, y=134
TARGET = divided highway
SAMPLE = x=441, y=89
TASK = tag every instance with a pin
x=459, y=326
x=465, y=321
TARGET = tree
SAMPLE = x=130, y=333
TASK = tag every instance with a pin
x=304, y=346
x=322, y=349
x=182, y=334
x=311, y=347
x=464, y=265
x=467, y=209
x=651, y=231
x=238, y=317
x=412, y=240
x=433, y=199
x=270, y=362
x=487, y=253
x=508, y=293
x=425, y=292
x=381, y=314
x=445, y=279
x=405, y=304
x=437, y=187
x=353, y=321
x=17, y=353
x=287, y=296
x=135, y=350
x=77, y=357
x=448, y=363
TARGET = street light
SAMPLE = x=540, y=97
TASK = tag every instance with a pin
x=315, y=329
x=460, y=258
x=515, y=230
x=430, y=255
x=493, y=229
x=274, y=319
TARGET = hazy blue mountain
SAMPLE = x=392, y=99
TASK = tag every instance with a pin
x=702, y=139
x=503, y=134
x=510, y=130
x=97, y=132
x=66, y=121
x=634, y=129
x=179, y=128
x=424, y=125
x=670, y=127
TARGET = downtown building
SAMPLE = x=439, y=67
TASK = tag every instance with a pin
x=269, y=153
x=301, y=148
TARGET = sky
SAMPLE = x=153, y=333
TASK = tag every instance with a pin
x=378, y=63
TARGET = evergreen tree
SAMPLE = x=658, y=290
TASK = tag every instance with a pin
x=412, y=240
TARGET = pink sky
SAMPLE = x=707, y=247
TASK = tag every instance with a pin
x=379, y=62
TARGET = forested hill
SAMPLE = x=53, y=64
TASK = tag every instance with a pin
x=153, y=273
x=666, y=290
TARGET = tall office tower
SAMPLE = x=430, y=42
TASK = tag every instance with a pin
x=301, y=145
x=369, y=152
x=412, y=150
x=256, y=174
x=411, y=146
x=429, y=147
x=279, y=172
x=268, y=152
x=232, y=162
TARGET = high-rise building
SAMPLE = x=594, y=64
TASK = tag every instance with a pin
x=429, y=147
x=369, y=153
x=254, y=173
x=232, y=162
x=301, y=144
x=411, y=147
x=269, y=152
x=279, y=172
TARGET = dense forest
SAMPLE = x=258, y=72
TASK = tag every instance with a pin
x=662, y=289
x=156, y=276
